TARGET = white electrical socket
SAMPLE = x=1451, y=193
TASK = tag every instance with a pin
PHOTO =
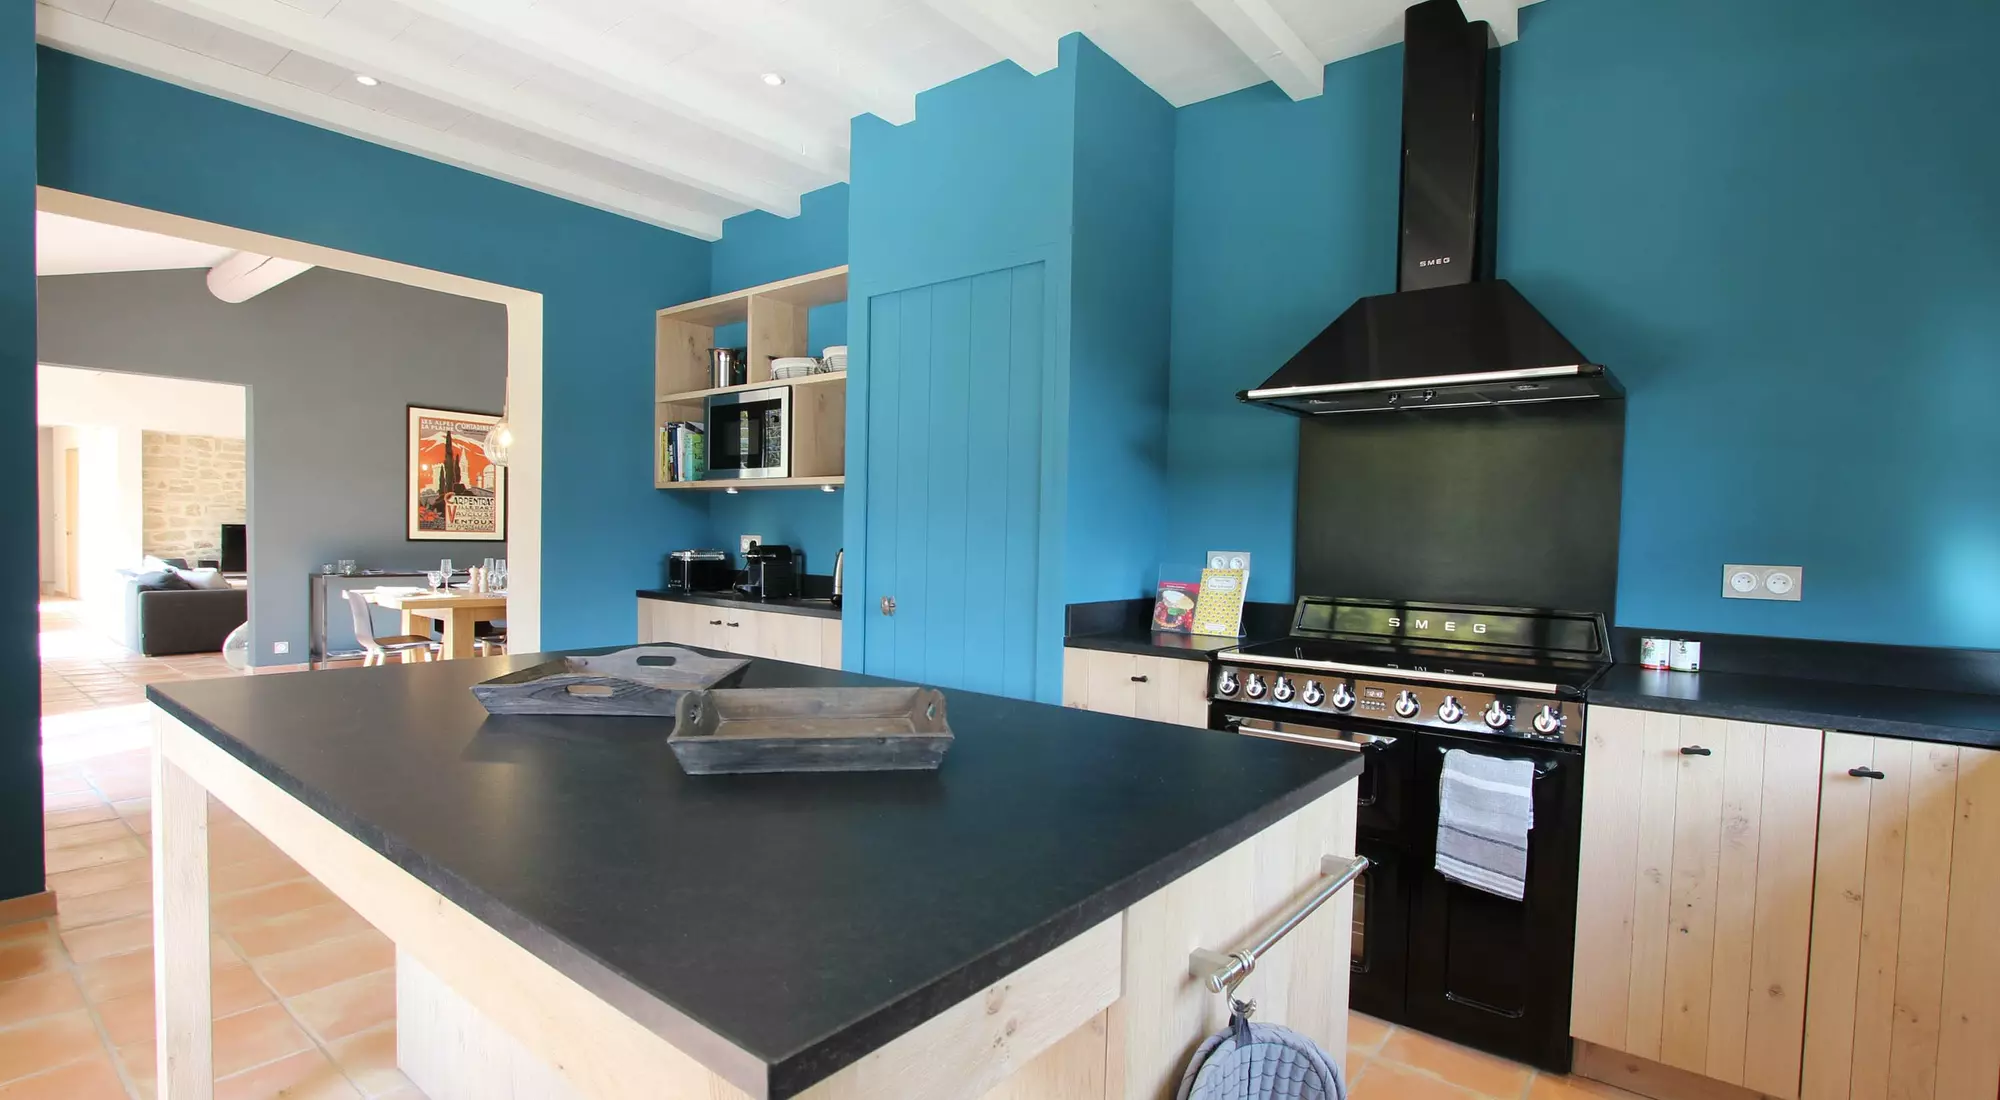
x=744, y=542
x=281, y=647
x=1763, y=582
x=1227, y=559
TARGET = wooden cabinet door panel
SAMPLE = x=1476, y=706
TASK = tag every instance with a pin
x=794, y=638
x=1076, y=678
x=1112, y=690
x=1905, y=997
x=1193, y=693
x=1695, y=894
x=829, y=643
x=1156, y=689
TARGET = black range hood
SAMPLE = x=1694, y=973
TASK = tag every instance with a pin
x=1451, y=335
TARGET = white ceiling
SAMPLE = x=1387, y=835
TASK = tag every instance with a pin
x=93, y=398
x=656, y=109
x=73, y=246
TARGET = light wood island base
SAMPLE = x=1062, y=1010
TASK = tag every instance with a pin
x=1112, y=1013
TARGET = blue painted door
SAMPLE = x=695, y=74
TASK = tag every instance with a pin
x=953, y=507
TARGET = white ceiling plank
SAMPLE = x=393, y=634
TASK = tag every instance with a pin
x=1504, y=16
x=1266, y=39
x=125, y=49
x=818, y=51
x=394, y=62
x=1009, y=31
x=603, y=60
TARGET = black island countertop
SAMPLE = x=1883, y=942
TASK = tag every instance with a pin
x=806, y=919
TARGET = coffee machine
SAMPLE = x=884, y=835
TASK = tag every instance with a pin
x=770, y=573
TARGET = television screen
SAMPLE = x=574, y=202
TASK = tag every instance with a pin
x=235, y=548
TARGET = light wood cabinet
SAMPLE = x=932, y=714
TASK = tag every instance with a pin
x=1695, y=894
x=1159, y=689
x=803, y=639
x=1905, y=999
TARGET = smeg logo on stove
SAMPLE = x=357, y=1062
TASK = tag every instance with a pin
x=1428, y=626
x=1437, y=261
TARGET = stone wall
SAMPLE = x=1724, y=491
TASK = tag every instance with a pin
x=191, y=486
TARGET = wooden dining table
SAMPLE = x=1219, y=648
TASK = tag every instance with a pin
x=457, y=612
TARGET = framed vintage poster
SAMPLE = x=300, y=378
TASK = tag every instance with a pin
x=456, y=493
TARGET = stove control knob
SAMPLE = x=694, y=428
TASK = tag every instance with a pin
x=1548, y=721
x=1497, y=716
x=1343, y=697
x=1282, y=691
x=1313, y=695
x=1406, y=705
x=1450, y=710
x=1254, y=687
x=1226, y=683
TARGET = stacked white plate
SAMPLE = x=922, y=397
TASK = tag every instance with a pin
x=835, y=357
x=796, y=366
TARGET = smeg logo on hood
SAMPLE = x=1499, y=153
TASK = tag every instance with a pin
x=1438, y=261
x=1424, y=626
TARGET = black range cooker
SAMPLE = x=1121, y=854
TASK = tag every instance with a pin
x=1403, y=683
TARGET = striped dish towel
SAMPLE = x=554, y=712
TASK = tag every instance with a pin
x=1486, y=807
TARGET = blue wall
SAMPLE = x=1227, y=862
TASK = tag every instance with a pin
x=20, y=693
x=759, y=248
x=1121, y=285
x=1776, y=223
x=120, y=136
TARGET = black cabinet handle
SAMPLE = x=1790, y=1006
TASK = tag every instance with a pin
x=715, y=622
x=735, y=624
x=1865, y=773
x=1696, y=750
x=1138, y=679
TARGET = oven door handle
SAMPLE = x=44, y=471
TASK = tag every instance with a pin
x=1542, y=767
x=1261, y=727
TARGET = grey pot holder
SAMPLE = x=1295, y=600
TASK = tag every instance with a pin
x=1260, y=1062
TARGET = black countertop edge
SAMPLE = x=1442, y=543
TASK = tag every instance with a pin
x=818, y=609
x=795, y=1074
x=1186, y=647
x=1126, y=626
x=1931, y=668
x=1966, y=719
x=605, y=982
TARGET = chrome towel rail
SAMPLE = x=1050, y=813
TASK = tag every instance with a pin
x=1222, y=972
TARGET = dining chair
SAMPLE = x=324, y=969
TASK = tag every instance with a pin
x=378, y=649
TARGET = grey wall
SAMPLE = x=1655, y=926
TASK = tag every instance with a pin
x=331, y=360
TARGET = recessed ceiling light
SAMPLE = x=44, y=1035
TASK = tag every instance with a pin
x=365, y=80
x=773, y=79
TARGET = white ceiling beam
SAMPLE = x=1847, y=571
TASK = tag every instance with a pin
x=1268, y=41
x=1504, y=16
x=815, y=50
x=1004, y=27
x=395, y=63
x=114, y=46
x=602, y=60
x=244, y=275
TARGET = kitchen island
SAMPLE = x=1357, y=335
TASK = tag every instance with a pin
x=575, y=917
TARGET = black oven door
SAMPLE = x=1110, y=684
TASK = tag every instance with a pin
x=1384, y=786
x=1487, y=971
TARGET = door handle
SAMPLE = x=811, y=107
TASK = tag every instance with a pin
x=715, y=622
x=735, y=624
x=1138, y=679
x=888, y=605
x=1865, y=773
x=1696, y=750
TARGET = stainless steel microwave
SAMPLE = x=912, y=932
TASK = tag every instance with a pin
x=750, y=434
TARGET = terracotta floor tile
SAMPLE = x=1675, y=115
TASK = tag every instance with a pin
x=137, y=1059
x=27, y=929
x=82, y=910
x=1551, y=1087
x=82, y=815
x=116, y=937
x=132, y=972
x=30, y=955
x=44, y=994
x=369, y=1060
x=1474, y=1070
x=132, y=809
x=129, y=1019
x=247, y=1039
x=300, y=929
x=76, y=836
x=270, y=901
x=307, y=1075
x=104, y=876
x=348, y=1008
x=1378, y=1080
x=44, y=1044
x=94, y=1079
x=234, y=878
x=1366, y=1033
x=327, y=963
x=236, y=987
x=95, y=855
x=409, y=1092
x=71, y=800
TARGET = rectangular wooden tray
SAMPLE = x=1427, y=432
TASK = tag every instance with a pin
x=643, y=681
x=851, y=729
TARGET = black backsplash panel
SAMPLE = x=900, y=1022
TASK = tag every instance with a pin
x=1511, y=505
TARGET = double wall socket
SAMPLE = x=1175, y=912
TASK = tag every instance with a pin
x=744, y=542
x=1763, y=582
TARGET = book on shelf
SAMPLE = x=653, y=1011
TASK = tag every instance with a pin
x=682, y=454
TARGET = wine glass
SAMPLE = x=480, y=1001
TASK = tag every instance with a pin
x=444, y=566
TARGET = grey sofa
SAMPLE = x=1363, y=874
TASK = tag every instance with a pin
x=193, y=620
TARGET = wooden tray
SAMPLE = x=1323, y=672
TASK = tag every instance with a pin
x=643, y=681
x=855, y=729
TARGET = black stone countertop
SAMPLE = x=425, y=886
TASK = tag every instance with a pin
x=1152, y=643
x=806, y=919
x=1958, y=718
x=818, y=609
x=1126, y=626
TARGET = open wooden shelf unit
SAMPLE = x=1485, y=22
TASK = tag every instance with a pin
x=774, y=316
